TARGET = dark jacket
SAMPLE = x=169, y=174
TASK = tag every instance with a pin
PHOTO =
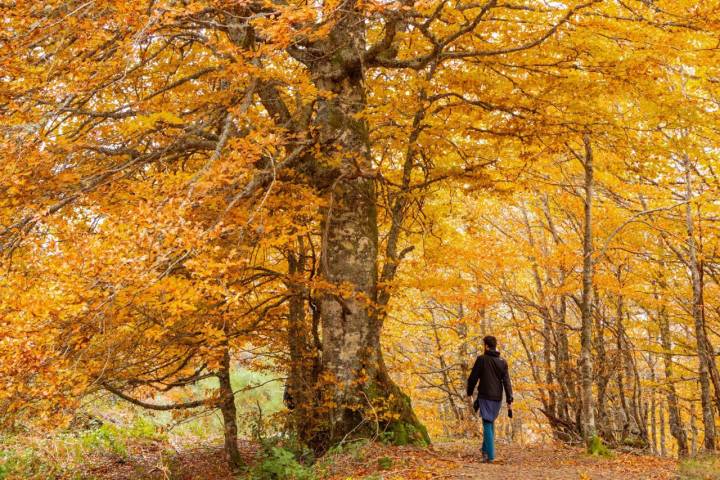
x=490, y=374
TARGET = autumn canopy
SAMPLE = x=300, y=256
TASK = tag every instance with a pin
x=350, y=194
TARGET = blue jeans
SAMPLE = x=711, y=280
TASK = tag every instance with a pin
x=488, y=445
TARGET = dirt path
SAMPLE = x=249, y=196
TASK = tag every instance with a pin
x=538, y=462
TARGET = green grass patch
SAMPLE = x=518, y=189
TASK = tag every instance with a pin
x=25, y=463
x=700, y=468
x=385, y=463
x=108, y=438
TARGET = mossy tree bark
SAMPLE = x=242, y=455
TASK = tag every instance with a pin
x=358, y=397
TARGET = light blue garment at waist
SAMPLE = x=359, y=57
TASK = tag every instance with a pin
x=489, y=409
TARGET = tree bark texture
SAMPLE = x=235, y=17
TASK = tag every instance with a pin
x=351, y=364
x=698, y=315
x=586, y=368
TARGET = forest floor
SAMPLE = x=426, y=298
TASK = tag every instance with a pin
x=460, y=460
x=457, y=460
x=103, y=455
x=540, y=462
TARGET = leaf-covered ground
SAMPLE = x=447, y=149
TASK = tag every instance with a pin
x=451, y=461
x=538, y=462
x=460, y=460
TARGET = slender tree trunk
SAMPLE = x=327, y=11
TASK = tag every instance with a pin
x=602, y=378
x=562, y=364
x=698, y=316
x=229, y=414
x=447, y=382
x=562, y=354
x=640, y=408
x=693, y=431
x=620, y=365
x=676, y=427
x=653, y=420
x=547, y=392
x=663, y=443
x=586, y=367
x=463, y=357
x=301, y=388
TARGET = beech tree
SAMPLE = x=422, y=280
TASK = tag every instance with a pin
x=190, y=176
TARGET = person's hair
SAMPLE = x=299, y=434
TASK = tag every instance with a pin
x=490, y=342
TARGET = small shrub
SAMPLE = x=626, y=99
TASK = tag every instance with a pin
x=598, y=448
x=634, y=441
x=280, y=463
x=387, y=437
x=284, y=456
x=385, y=463
x=353, y=447
x=144, y=429
x=107, y=437
x=357, y=449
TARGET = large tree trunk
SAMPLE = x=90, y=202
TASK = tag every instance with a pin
x=586, y=369
x=698, y=316
x=352, y=365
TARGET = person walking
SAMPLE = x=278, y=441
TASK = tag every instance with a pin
x=490, y=374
